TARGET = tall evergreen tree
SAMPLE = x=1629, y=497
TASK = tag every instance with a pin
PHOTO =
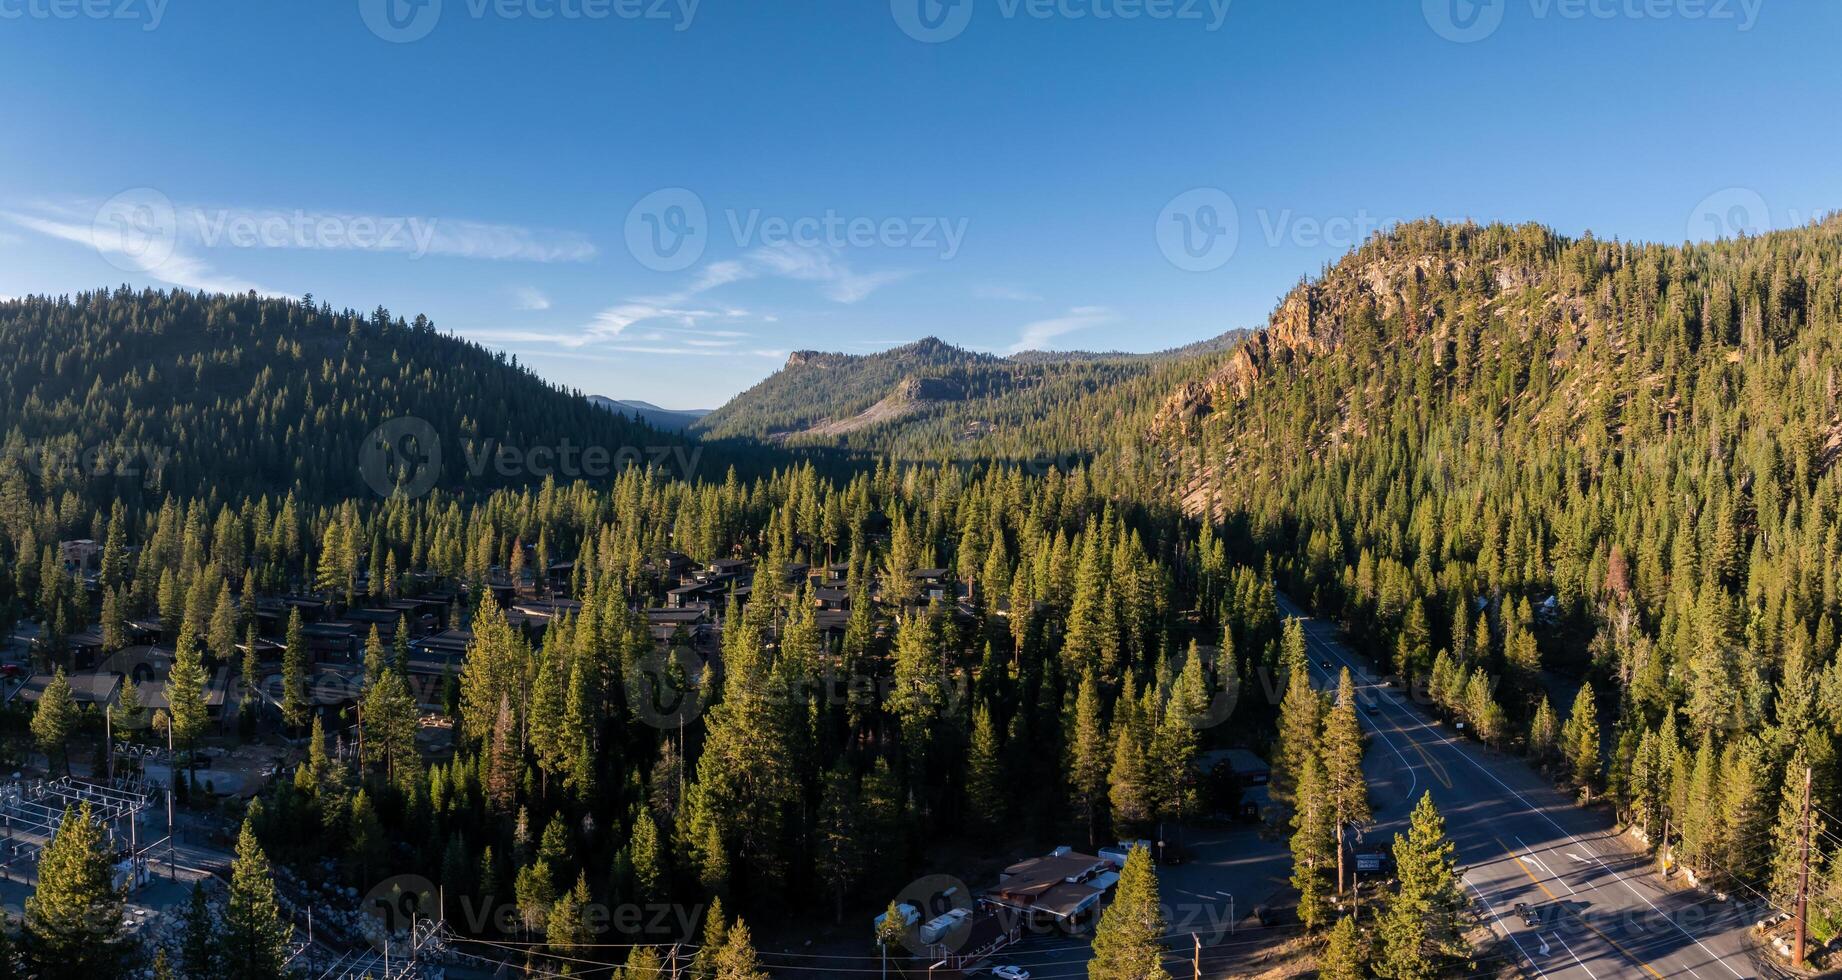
x=1345, y=789
x=254, y=937
x=73, y=923
x=1581, y=737
x=1128, y=942
x=1420, y=931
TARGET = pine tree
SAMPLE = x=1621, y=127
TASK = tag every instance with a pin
x=1581, y=737
x=1787, y=833
x=200, y=952
x=1088, y=755
x=1344, y=956
x=54, y=721
x=73, y=923
x=295, y=707
x=390, y=723
x=1298, y=735
x=1128, y=941
x=649, y=867
x=986, y=791
x=1313, y=841
x=185, y=689
x=1346, y=791
x=504, y=760
x=1698, y=817
x=1544, y=734
x=1420, y=930
x=644, y=963
x=1128, y=781
x=254, y=939
x=567, y=927
x=736, y=959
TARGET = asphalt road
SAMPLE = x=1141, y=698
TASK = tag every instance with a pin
x=1603, y=910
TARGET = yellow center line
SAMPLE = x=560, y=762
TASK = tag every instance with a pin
x=1647, y=968
x=1432, y=764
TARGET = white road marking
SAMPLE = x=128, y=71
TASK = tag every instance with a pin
x=1442, y=740
x=1492, y=909
x=1576, y=956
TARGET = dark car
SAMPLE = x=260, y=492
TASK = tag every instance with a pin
x=1527, y=915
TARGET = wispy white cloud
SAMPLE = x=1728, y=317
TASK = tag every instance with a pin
x=177, y=267
x=532, y=299
x=687, y=322
x=1039, y=334
x=824, y=265
x=479, y=240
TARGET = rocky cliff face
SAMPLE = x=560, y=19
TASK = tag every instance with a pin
x=1312, y=322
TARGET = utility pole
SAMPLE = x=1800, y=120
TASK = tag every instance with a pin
x=1663, y=851
x=1198, y=957
x=1803, y=879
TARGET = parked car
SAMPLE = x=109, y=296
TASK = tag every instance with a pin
x=1010, y=973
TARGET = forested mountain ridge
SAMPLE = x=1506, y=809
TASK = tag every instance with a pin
x=137, y=393
x=1491, y=451
x=1600, y=343
x=930, y=400
x=663, y=419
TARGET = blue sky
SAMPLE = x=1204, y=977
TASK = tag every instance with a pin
x=659, y=199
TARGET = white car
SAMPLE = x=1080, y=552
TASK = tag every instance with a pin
x=1010, y=973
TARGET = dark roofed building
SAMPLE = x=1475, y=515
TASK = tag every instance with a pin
x=1061, y=885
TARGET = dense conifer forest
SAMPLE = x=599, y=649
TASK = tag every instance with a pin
x=1509, y=463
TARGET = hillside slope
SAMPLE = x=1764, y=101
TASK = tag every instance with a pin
x=1638, y=441
x=141, y=393
x=930, y=399
x=663, y=419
